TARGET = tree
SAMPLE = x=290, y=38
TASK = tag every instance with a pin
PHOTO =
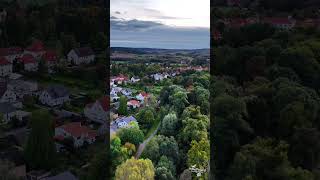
x=135, y=169
x=151, y=150
x=169, y=125
x=123, y=110
x=199, y=154
x=98, y=165
x=265, y=159
x=40, y=151
x=146, y=117
x=118, y=154
x=166, y=163
x=132, y=135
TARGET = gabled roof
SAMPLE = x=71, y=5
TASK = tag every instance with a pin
x=3, y=61
x=27, y=58
x=10, y=51
x=76, y=130
x=144, y=94
x=63, y=176
x=50, y=55
x=56, y=91
x=85, y=51
x=36, y=46
x=134, y=102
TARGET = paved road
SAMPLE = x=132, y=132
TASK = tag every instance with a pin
x=145, y=142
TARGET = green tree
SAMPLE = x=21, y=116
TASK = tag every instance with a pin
x=132, y=135
x=98, y=164
x=118, y=154
x=169, y=125
x=123, y=110
x=40, y=151
x=199, y=154
x=135, y=169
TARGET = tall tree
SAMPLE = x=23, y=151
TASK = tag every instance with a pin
x=40, y=151
x=123, y=110
x=135, y=169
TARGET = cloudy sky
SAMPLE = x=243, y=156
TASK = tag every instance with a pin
x=172, y=24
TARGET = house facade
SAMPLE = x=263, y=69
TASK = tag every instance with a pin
x=29, y=62
x=5, y=67
x=54, y=95
x=10, y=54
x=81, y=56
x=79, y=133
x=98, y=111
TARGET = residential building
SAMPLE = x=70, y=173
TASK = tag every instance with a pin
x=22, y=87
x=36, y=49
x=98, y=111
x=133, y=104
x=5, y=67
x=83, y=55
x=6, y=94
x=80, y=134
x=29, y=62
x=54, y=95
x=123, y=122
x=142, y=96
x=10, y=54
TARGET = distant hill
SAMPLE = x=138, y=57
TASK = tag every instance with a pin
x=160, y=51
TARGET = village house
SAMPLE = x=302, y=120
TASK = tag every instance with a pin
x=123, y=122
x=54, y=95
x=134, y=79
x=29, y=62
x=133, y=104
x=80, y=134
x=36, y=49
x=121, y=79
x=83, y=55
x=126, y=92
x=142, y=96
x=8, y=112
x=10, y=54
x=98, y=111
x=159, y=76
x=5, y=67
x=6, y=94
x=22, y=87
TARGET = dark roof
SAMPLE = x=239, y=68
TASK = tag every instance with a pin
x=63, y=176
x=7, y=107
x=56, y=91
x=85, y=51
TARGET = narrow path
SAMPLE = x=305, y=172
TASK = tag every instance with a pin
x=145, y=142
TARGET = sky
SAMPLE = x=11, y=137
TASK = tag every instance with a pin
x=169, y=24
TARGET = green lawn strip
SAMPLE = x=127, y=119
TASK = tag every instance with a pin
x=152, y=129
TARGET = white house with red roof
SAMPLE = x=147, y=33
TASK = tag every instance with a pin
x=83, y=55
x=97, y=111
x=29, y=62
x=79, y=133
x=5, y=67
x=36, y=49
x=11, y=53
x=120, y=79
x=133, y=104
x=142, y=96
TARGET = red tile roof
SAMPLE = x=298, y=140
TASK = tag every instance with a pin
x=10, y=51
x=27, y=58
x=36, y=46
x=3, y=61
x=77, y=130
x=134, y=102
x=50, y=55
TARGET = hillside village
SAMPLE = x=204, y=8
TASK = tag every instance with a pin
x=141, y=114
